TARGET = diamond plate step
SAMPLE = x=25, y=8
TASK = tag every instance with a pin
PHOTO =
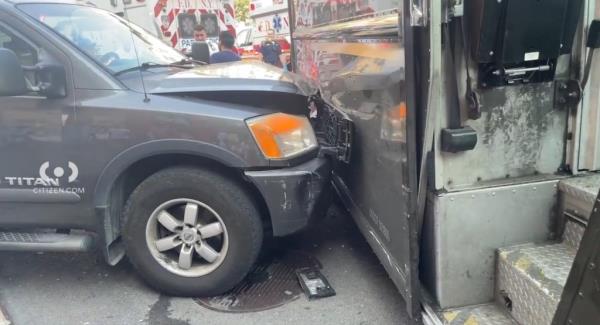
x=487, y=314
x=573, y=233
x=579, y=193
x=44, y=241
x=531, y=279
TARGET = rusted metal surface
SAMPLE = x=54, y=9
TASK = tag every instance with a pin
x=521, y=134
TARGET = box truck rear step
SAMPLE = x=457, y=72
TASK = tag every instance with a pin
x=45, y=242
x=579, y=193
x=531, y=279
x=485, y=314
x=573, y=232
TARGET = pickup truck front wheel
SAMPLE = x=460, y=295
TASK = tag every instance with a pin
x=191, y=232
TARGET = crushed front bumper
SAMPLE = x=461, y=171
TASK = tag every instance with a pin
x=294, y=195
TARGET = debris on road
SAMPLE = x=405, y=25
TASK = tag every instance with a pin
x=314, y=283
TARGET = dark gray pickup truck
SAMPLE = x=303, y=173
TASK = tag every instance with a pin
x=110, y=137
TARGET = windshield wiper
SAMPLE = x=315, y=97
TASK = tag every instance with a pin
x=190, y=61
x=150, y=65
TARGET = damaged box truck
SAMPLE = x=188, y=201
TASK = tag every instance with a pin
x=466, y=138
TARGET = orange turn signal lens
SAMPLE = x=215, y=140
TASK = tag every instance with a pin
x=281, y=136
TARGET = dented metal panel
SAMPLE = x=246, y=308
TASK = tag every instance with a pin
x=293, y=195
x=355, y=53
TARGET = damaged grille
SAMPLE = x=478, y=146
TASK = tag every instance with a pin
x=334, y=130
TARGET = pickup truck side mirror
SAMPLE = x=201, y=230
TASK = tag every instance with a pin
x=593, y=40
x=12, y=77
x=52, y=80
x=200, y=52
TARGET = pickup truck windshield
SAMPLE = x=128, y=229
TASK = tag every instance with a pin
x=109, y=40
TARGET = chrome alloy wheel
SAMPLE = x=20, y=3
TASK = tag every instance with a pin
x=187, y=237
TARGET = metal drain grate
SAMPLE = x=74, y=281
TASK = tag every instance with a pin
x=273, y=283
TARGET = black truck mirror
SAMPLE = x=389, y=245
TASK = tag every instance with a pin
x=52, y=80
x=200, y=52
x=593, y=40
x=12, y=77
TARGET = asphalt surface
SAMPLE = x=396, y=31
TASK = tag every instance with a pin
x=81, y=289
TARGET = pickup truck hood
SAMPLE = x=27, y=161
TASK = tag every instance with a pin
x=236, y=76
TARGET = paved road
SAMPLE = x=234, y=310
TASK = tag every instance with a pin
x=81, y=289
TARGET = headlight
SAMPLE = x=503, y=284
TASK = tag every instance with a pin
x=281, y=136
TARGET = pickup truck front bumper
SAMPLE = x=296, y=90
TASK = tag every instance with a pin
x=294, y=195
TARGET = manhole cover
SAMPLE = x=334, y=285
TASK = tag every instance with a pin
x=271, y=284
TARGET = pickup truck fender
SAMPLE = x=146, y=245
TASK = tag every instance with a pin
x=109, y=222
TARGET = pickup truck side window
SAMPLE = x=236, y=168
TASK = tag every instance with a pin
x=26, y=53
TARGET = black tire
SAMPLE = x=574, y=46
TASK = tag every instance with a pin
x=237, y=211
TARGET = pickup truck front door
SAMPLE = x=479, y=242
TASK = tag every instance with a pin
x=35, y=172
